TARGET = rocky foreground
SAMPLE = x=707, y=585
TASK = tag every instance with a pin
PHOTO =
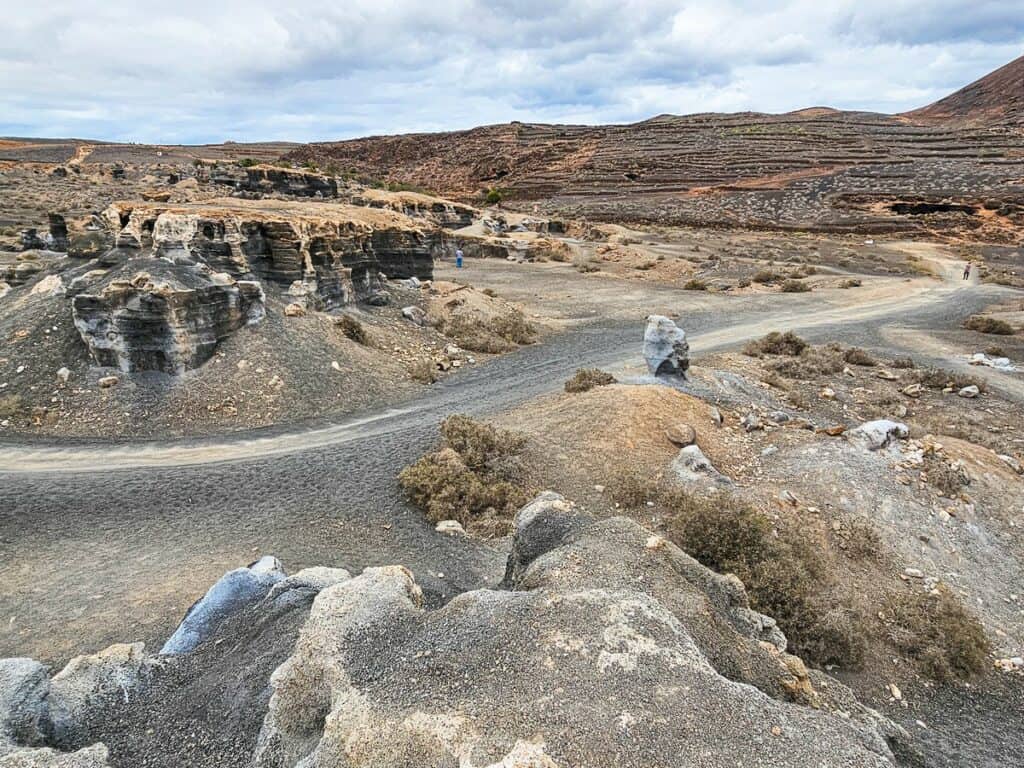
x=605, y=645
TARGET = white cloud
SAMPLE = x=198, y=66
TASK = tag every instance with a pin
x=257, y=69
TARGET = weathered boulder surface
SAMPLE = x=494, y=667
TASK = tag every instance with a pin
x=154, y=315
x=24, y=718
x=612, y=648
x=666, y=350
x=234, y=591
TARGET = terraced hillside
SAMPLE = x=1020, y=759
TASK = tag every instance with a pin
x=812, y=169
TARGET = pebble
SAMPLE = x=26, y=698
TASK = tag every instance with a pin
x=970, y=392
x=108, y=381
x=913, y=573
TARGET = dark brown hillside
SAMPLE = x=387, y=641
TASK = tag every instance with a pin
x=996, y=98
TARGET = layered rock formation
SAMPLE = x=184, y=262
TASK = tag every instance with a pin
x=343, y=247
x=443, y=213
x=151, y=314
x=259, y=180
x=605, y=646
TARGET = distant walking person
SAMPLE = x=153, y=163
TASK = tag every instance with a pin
x=458, y=258
x=967, y=271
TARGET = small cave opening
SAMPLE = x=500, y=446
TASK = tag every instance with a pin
x=904, y=208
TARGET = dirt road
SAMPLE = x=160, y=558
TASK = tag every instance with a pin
x=104, y=543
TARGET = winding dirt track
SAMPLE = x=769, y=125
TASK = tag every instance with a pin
x=107, y=543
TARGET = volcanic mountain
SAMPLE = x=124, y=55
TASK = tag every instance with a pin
x=996, y=98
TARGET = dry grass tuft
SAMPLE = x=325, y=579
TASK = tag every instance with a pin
x=585, y=379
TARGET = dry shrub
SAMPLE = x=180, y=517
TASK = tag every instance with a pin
x=584, y=264
x=935, y=630
x=585, y=379
x=695, y=284
x=984, y=324
x=995, y=351
x=936, y=378
x=812, y=363
x=495, y=336
x=475, y=478
x=764, y=277
x=903, y=362
x=852, y=282
x=423, y=371
x=858, y=356
x=785, y=572
x=948, y=478
x=489, y=292
x=862, y=541
x=352, y=329
x=795, y=286
x=776, y=343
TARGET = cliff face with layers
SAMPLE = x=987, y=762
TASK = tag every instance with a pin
x=183, y=277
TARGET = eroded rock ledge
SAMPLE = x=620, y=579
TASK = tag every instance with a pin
x=152, y=315
x=605, y=646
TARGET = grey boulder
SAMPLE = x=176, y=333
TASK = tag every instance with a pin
x=666, y=350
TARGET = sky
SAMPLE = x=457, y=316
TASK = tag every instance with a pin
x=306, y=70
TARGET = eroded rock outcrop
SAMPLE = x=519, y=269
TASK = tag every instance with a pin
x=152, y=315
x=344, y=248
x=443, y=213
x=612, y=647
x=268, y=179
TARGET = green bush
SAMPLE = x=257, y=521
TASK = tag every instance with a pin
x=493, y=196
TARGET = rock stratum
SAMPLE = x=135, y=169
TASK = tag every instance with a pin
x=605, y=646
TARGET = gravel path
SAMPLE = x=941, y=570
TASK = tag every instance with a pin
x=104, y=543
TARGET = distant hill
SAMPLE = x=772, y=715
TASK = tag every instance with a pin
x=996, y=98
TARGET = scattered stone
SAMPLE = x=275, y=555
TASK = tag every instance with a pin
x=879, y=434
x=970, y=392
x=751, y=422
x=294, y=310
x=681, y=434
x=51, y=285
x=913, y=390
x=691, y=465
x=887, y=375
x=63, y=374
x=665, y=349
x=913, y=573
x=716, y=416
x=450, y=527
x=415, y=315
x=106, y=382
